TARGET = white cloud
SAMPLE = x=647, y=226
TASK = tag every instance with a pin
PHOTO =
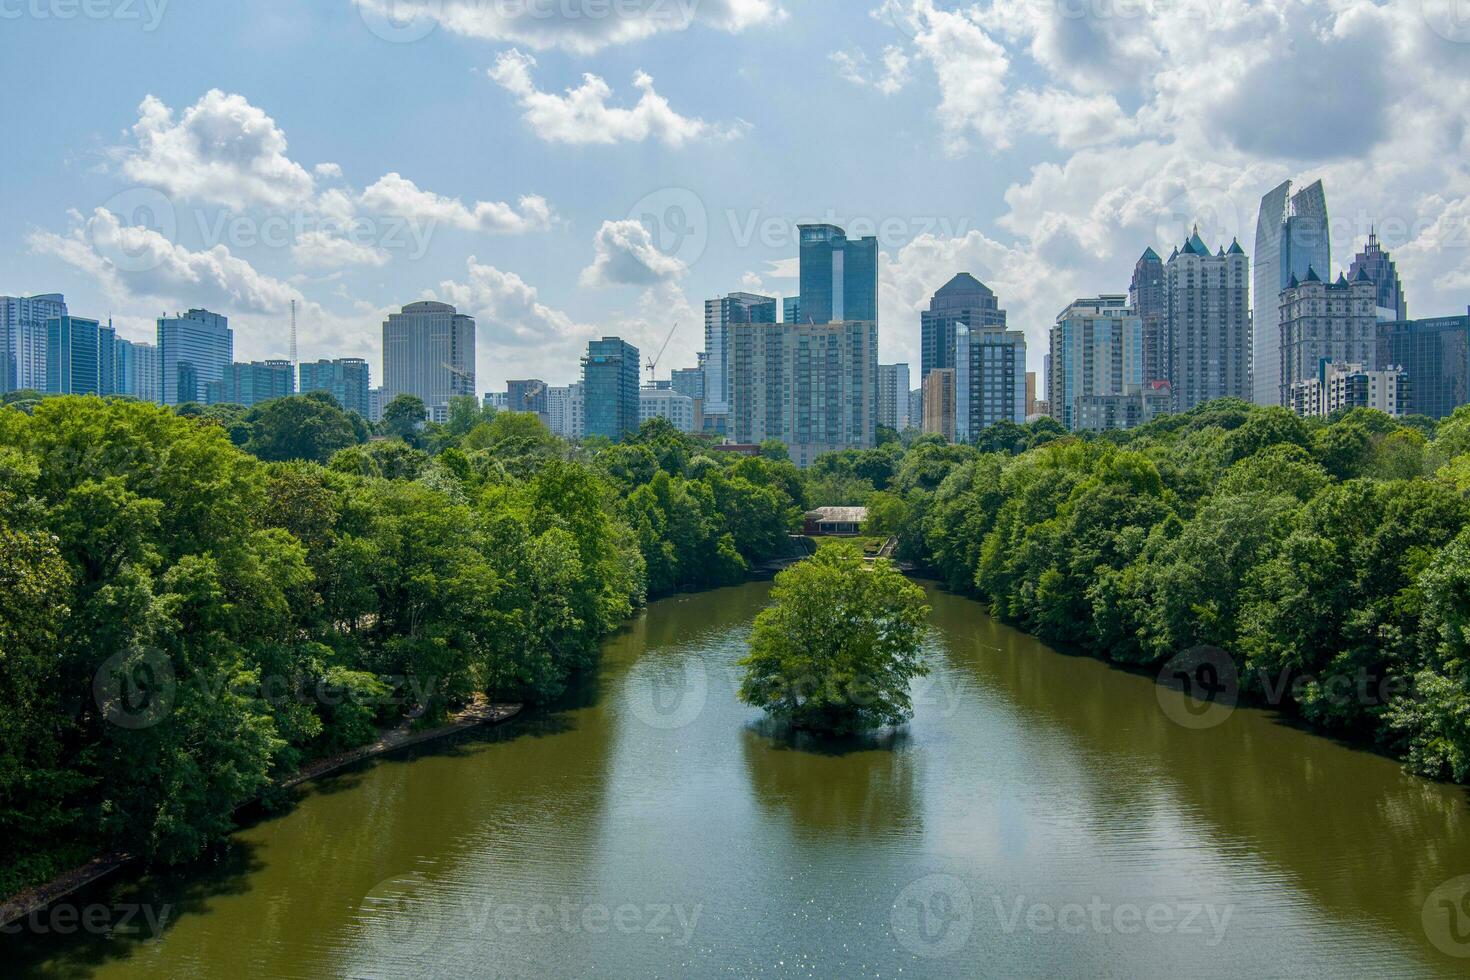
x=323, y=250
x=582, y=26
x=221, y=150
x=583, y=114
x=132, y=261
x=626, y=255
x=396, y=195
x=853, y=66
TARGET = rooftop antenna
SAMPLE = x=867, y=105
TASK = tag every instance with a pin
x=653, y=361
x=293, y=335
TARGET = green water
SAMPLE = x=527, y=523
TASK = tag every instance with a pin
x=1041, y=816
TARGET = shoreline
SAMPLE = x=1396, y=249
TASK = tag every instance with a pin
x=476, y=714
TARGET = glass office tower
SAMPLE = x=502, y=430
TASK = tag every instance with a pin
x=839, y=278
x=1291, y=237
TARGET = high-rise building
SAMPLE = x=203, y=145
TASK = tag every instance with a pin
x=1342, y=386
x=688, y=381
x=250, y=383
x=23, y=322
x=838, y=277
x=1376, y=265
x=939, y=403
x=719, y=316
x=812, y=386
x=346, y=378
x=526, y=396
x=666, y=403
x=564, y=410
x=1325, y=321
x=791, y=309
x=1096, y=349
x=1435, y=354
x=1030, y=393
x=74, y=356
x=1291, y=237
x=893, y=396
x=964, y=301
x=916, y=409
x=193, y=350
x=376, y=404
x=1209, y=323
x=1146, y=295
x=136, y=370
x=1138, y=405
x=429, y=351
x=989, y=380
x=610, y=388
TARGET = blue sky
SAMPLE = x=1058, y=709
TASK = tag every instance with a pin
x=168, y=153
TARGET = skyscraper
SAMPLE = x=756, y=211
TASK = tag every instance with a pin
x=963, y=301
x=719, y=315
x=1376, y=264
x=193, y=350
x=345, y=378
x=526, y=396
x=136, y=371
x=939, y=403
x=610, y=388
x=1291, y=237
x=1096, y=349
x=429, y=351
x=251, y=383
x=23, y=322
x=1325, y=321
x=812, y=386
x=893, y=396
x=1435, y=354
x=74, y=356
x=989, y=380
x=1209, y=324
x=838, y=277
x=791, y=309
x=1146, y=295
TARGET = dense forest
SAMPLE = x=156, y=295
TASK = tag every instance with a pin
x=1328, y=559
x=194, y=603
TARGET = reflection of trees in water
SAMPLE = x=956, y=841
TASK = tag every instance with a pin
x=859, y=787
x=1346, y=826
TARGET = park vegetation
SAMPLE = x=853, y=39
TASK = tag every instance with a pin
x=196, y=602
x=835, y=651
x=1330, y=559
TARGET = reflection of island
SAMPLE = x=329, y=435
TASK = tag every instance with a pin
x=858, y=787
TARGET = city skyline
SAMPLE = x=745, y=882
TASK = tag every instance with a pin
x=1074, y=180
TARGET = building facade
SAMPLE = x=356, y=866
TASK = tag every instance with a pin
x=1377, y=266
x=719, y=316
x=564, y=410
x=1291, y=237
x=75, y=352
x=23, y=322
x=814, y=387
x=346, y=378
x=1138, y=405
x=1096, y=349
x=939, y=403
x=251, y=382
x=1325, y=321
x=964, y=301
x=610, y=388
x=893, y=396
x=989, y=380
x=1435, y=354
x=838, y=277
x=526, y=396
x=1344, y=386
x=193, y=350
x=429, y=351
x=1208, y=332
x=666, y=403
x=137, y=372
x=1146, y=296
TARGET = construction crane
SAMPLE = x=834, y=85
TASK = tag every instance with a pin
x=468, y=377
x=653, y=361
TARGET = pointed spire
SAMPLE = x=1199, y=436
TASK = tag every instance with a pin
x=1312, y=275
x=1235, y=248
x=1295, y=282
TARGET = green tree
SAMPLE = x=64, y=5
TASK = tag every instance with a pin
x=838, y=647
x=403, y=417
x=310, y=427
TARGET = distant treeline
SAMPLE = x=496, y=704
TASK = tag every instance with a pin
x=1329, y=559
x=193, y=603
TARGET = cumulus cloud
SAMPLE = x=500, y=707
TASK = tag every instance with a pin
x=323, y=250
x=583, y=114
x=132, y=261
x=394, y=194
x=582, y=26
x=626, y=256
x=853, y=66
x=508, y=306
